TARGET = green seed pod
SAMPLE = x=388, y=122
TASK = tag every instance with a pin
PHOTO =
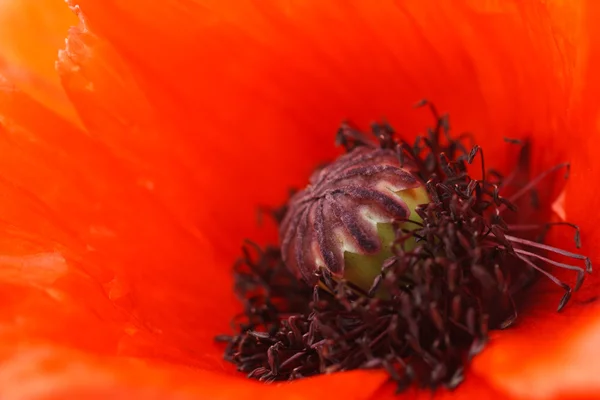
x=343, y=220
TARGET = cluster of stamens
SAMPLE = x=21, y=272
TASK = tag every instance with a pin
x=457, y=270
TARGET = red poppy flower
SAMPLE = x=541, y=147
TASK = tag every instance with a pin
x=131, y=173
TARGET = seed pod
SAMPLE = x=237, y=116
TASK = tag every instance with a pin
x=343, y=220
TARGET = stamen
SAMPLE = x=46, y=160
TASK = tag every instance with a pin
x=533, y=183
x=567, y=288
x=510, y=320
x=580, y=271
x=545, y=228
x=514, y=141
x=476, y=149
x=588, y=262
x=351, y=138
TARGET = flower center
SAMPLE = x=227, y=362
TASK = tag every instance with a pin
x=343, y=221
x=393, y=257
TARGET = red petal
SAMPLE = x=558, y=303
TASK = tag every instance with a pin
x=59, y=288
x=31, y=32
x=474, y=387
x=198, y=112
x=41, y=371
